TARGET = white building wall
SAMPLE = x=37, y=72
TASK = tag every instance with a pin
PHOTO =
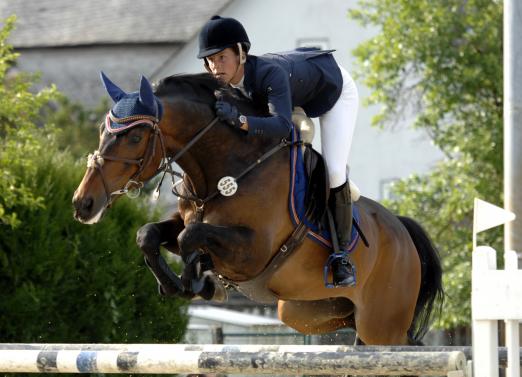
x=76, y=70
x=377, y=156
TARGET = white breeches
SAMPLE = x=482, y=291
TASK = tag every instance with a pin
x=337, y=127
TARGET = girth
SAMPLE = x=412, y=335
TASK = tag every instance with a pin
x=256, y=289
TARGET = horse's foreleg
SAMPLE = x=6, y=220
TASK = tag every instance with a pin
x=198, y=278
x=223, y=242
x=199, y=243
x=149, y=239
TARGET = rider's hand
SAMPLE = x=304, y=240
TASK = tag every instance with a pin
x=228, y=113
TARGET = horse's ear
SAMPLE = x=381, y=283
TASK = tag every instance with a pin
x=114, y=91
x=147, y=94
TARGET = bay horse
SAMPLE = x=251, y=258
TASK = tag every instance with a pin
x=398, y=273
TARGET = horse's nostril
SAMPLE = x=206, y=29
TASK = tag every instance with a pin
x=83, y=206
x=87, y=203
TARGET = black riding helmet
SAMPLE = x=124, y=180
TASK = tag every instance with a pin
x=219, y=33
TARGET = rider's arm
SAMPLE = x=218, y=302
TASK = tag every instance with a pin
x=279, y=123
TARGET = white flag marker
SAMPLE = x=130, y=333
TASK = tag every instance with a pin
x=486, y=216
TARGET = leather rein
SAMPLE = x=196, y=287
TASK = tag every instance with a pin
x=96, y=161
x=133, y=186
x=229, y=182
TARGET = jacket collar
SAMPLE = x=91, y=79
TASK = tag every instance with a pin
x=250, y=76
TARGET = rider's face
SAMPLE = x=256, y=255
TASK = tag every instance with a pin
x=225, y=66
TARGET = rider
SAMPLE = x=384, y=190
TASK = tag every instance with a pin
x=309, y=78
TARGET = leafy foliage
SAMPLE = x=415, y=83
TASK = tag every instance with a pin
x=441, y=62
x=19, y=109
x=61, y=281
x=77, y=126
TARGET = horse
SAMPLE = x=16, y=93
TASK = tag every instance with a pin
x=235, y=234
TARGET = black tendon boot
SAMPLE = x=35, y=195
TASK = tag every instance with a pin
x=340, y=204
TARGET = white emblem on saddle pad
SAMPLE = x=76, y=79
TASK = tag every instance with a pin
x=227, y=186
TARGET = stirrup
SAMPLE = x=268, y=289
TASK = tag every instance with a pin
x=343, y=273
x=328, y=268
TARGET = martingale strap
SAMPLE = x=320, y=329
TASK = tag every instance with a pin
x=200, y=203
x=168, y=164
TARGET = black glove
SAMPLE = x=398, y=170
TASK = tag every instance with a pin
x=227, y=113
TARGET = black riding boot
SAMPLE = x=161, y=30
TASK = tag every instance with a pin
x=340, y=204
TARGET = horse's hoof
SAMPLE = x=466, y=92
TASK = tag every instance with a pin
x=177, y=293
x=197, y=285
x=220, y=293
x=167, y=293
x=213, y=289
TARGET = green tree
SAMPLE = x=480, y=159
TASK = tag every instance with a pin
x=19, y=110
x=61, y=281
x=442, y=62
x=78, y=127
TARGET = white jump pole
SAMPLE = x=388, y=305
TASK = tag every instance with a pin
x=228, y=359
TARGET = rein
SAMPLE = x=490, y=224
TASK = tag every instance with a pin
x=168, y=168
x=227, y=185
x=231, y=182
x=133, y=186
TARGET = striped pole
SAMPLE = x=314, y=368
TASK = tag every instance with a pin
x=229, y=359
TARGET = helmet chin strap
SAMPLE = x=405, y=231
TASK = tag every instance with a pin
x=242, y=61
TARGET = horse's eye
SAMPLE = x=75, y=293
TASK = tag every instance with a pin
x=135, y=139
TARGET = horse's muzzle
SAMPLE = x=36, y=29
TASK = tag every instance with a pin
x=84, y=210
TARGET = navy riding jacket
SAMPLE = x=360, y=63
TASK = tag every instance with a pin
x=304, y=77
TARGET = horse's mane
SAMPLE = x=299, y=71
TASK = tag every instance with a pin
x=200, y=86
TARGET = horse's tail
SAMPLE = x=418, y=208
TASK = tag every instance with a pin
x=431, y=294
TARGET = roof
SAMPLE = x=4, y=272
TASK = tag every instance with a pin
x=55, y=23
x=231, y=316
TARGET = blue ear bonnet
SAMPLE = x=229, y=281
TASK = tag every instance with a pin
x=131, y=105
x=142, y=102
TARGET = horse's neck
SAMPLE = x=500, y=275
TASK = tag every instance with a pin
x=219, y=155
x=222, y=151
x=196, y=174
x=208, y=160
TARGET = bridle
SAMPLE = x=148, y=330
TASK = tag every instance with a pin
x=133, y=186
